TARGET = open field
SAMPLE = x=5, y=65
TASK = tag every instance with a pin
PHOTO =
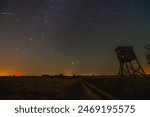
x=47, y=88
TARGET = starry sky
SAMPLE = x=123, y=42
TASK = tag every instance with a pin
x=70, y=36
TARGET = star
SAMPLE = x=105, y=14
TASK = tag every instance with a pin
x=51, y=7
x=87, y=18
x=46, y=21
x=30, y=38
x=54, y=64
x=18, y=19
x=16, y=49
x=74, y=22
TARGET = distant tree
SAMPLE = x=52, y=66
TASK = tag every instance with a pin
x=147, y=47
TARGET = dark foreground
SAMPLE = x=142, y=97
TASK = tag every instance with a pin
x=47, y=88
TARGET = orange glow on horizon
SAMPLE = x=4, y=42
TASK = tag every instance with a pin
x=4, y=74
x=147, y=70
x=10, y=73
x=18, y=74
x=68, y=74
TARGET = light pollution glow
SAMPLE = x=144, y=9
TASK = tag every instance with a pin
x=67, y=73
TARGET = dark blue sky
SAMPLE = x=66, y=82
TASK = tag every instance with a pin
x=73, y=36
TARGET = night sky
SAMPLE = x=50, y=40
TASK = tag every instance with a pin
x=70, y=36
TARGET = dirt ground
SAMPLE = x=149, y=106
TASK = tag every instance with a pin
x=68, y=88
